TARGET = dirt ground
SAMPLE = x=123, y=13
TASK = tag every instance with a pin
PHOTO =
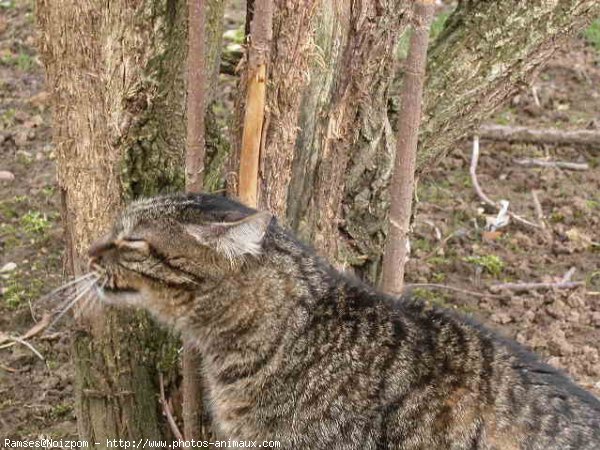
x=449, y=247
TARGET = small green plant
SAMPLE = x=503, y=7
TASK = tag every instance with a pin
x=9, y=235
x=24, y=158
x=438, y=24
x=438, y=277
x=236, y=35
x=48, y=191
x=430, y=296
x=35, y=222
x=22, y=61
x=592, y=34
x=14, y=294
x=557, y=217
x=491, y=263
x=593, y=204
x=61, y=410
x=7, y=119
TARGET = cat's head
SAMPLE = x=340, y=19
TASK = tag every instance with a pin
x=170, y=245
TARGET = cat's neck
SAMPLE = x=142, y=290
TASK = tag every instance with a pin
x=242, y=321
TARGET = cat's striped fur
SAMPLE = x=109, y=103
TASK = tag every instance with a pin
x=297, y=352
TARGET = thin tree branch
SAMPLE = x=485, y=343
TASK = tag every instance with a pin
x=538, y=208
x=194, y=169
x=196, y=96
x=450, y=288
x=166, y=407
x=403, y=178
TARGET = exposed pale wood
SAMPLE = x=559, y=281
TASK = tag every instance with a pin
x=550, y=136
x=261, y=34
x=251, y=139
x=402, y=183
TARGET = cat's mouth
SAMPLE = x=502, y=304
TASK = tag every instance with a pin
x=120, y=290
x=114, y=285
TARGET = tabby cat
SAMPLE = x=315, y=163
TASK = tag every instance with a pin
x=295, y=351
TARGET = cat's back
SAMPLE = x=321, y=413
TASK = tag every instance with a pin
x=476, y=389
x=411, y=376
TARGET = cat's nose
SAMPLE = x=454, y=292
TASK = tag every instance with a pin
x=100, y=247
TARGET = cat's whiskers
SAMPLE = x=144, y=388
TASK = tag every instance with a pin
x=72, y=302
x=86, y=303
x=61, y=289
x=74, y=290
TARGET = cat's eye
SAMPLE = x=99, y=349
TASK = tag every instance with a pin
x=134, y=245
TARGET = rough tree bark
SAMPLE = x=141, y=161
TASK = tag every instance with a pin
x=330, y=67
x=329, y=146
x=402, y=182
x=115, y=72
x=485, y=54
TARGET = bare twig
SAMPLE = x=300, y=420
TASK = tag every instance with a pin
x=194, y=170
x=403, y=178
x=18, y=340
x=166, y=407
x=443, y=242
x=196, y=96
x=481, y=194
x=538, y=208
x=533, y=162
x=536, y=99
x=540, y=136
x=8, y=369
x=192, y=392
x=38, y=327
x=450, y=288
x=536, y=286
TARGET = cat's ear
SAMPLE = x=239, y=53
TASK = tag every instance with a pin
x=233, y=239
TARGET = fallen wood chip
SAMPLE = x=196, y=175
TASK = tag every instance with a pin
x=5, y=175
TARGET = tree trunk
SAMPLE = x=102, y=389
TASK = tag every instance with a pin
x=329, y=146
x=116, y=74
x=331, y=64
